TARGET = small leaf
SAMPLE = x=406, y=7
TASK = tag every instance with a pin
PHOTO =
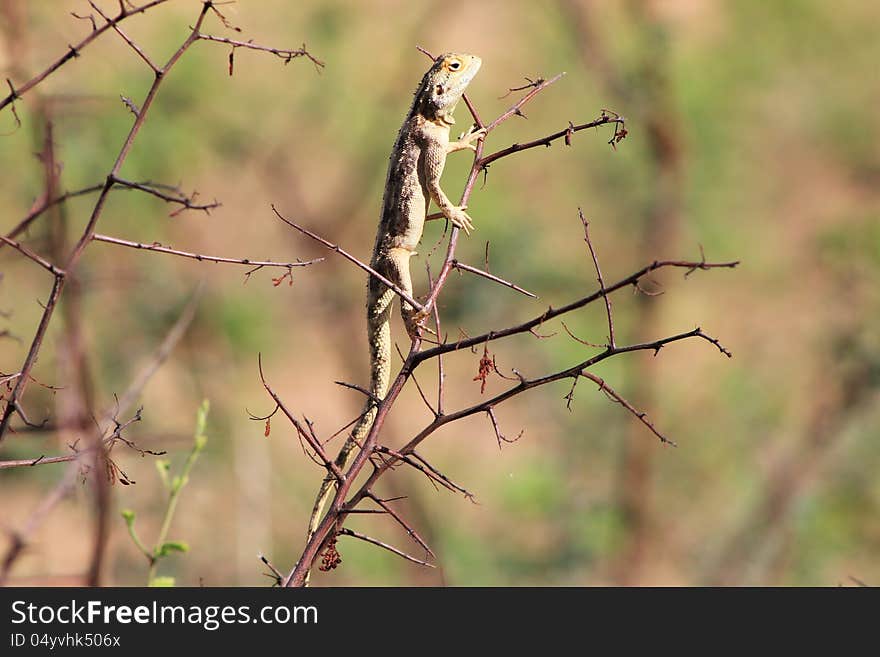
x=171, y=546
x=128, y=515
x=162, y=582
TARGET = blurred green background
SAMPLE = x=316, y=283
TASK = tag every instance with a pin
x=754, y=132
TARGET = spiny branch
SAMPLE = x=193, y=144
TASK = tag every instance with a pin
x=400, y=553
x=12, y=402
x=309, y=437
x=21, y=248
x=155, y=246
x=286, y=56
x=602, y=289
x=345, y=254
x=73, y=52
x=613, y=395
x=412, y=533
x=479, y=272
x=604, y=119
x=551, y=312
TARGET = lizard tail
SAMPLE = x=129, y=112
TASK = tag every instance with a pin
x=379, y=334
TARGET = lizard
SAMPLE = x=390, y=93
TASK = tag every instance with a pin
x=412, y=182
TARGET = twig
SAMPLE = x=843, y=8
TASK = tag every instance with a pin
x=45, y=264
x=350, y=532
x=187, y=202
x=498, y=435
x=417, y=385
x=276, y=574
x=285, y=55
x=20, y=538
x=108, y=443
x=369, y=395
x=602, y=289
x=604, y=119
x=124, y=36
x=44, y=205
x=313, y=442
x=412, y=533
x=155, y=246
x=642, y=417
x=345, y=254
x=479, y=272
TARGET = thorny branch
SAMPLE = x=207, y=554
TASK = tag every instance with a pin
x=155, y=246
x=13, y=400
x=347, y=499
x=74, y=51
x=93, y=459
x=168, y=193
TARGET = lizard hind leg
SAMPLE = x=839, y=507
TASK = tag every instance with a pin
x=398, y=271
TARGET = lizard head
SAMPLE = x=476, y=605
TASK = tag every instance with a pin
x=445, y=82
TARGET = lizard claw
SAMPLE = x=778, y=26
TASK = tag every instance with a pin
x=472, y=133
x=415, y=324
x=461, y=219
x=465, y=141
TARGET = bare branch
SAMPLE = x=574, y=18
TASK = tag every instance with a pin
x=498, y=435
x=45, y=264
x=551, y=313
x=124, y=36
x=276, y=574
x=413, y=534
x=73, y=52
x=479, y=272
x=314, y=443
x=350, y=532
x=345, y=254
x=285, y=55
x=155, y=246
x=612, y=394
x=187, y=202
x=602, y=289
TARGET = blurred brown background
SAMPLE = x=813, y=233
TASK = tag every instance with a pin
x=753, y=132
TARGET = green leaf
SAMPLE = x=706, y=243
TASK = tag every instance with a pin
x=128, y=516
x=162, y=582
x=171, y=546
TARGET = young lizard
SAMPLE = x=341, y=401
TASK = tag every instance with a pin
x=413, y=181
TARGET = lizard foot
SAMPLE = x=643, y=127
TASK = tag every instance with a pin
x=460, y=218
x=415, y=324
x=465, y=141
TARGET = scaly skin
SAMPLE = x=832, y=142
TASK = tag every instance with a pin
x=413, y=181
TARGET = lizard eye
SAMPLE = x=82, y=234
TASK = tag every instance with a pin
x=454, y=65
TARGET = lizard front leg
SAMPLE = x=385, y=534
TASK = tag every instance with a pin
x=465, y=142
x=434, y=161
